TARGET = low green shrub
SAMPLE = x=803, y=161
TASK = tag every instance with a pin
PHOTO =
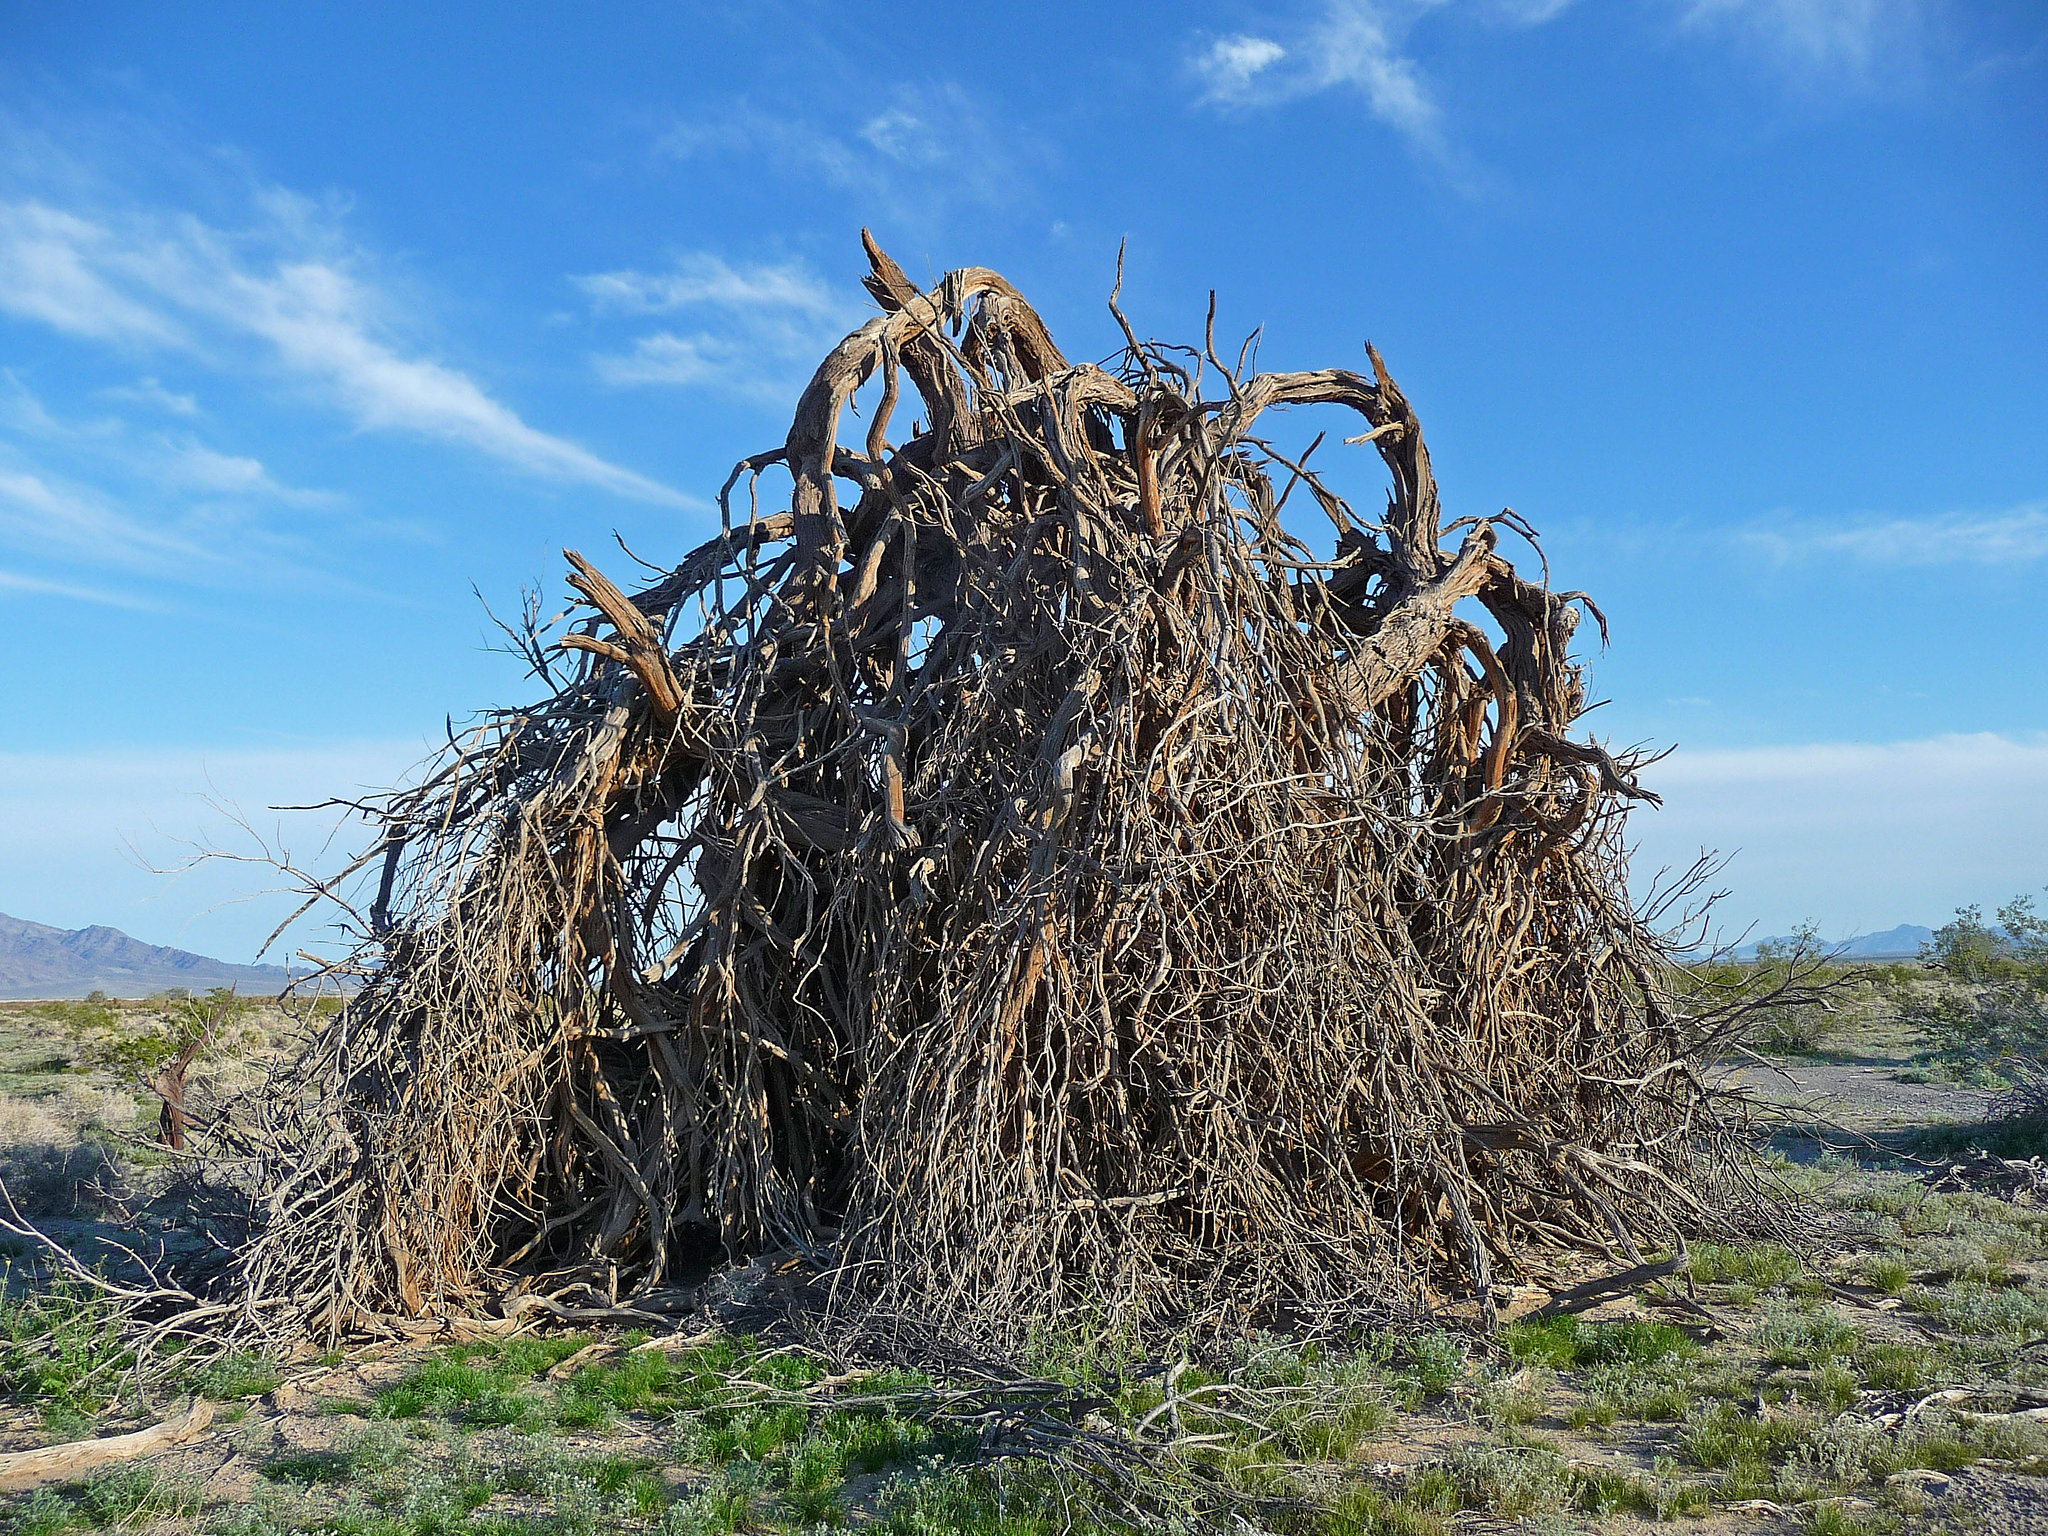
x=1565, y=1342
x=61, y=1347
x=1795, y=1333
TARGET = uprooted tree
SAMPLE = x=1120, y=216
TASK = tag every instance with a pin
x=1017, y=875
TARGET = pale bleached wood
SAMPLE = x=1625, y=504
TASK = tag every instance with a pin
x=20, y=1470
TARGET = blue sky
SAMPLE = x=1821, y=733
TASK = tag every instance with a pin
x=315, y=317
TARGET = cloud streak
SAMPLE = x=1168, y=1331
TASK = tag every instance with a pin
x=191, y=465
x=701, y=278
x=1366, y=47
x=1352, y=44
x=36, y=586
x=1851, y=37
x=39, y=510
x=142, y=280
x=94, y=494
x=756, y=329
x=2017, y=536
x=931, y=148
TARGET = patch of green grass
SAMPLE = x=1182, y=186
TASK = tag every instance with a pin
x=136, y=1494
x=1831, y=1388
x=1975, y=1307
x=1798, y=1459
x=1436, y=1361
x=1832, y=1517
x=1895, y=1367
x=1366, y=1511
x=1887, y=1273
x=238, y=1375
x=739, y=1499
x=1636, y=1368
x=2016, y=1136
x=579, y=1495
x=1565, y=1342
x=1724, y=1437
x=653, y=1382
x=1518, y=1400
x=1794, y=1333
x=42, y=1513
x=871, y=1439
x=482, y=1385
x=455, y=1389
x=644, y=1382
x=1839, y=1458
x=1007, y=1499
x=1551, y=1341
x=1761, y=1265
x=722, y=1435
x=817, y=1473
x=366, y=1451
x=1531, y=1482
x=1510, y=1482
x=1093, y=1356
x=633, y=1479
x=88, y=1016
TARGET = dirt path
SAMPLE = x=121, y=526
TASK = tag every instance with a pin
x=1862, y=1095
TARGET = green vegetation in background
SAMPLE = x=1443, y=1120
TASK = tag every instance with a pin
x=1991, y=1024
x=185, y=1021
x=1795, y=997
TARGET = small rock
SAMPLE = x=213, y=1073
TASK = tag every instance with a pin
x=1924, y=1478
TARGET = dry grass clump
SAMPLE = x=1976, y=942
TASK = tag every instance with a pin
x=51, y=1161
x=1035, y=882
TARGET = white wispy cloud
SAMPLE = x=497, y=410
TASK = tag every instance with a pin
x=1356, y=45
x=1858, y=836
x=191, y=465
x=153, y=394
x=37, y=586
x=701, y=278
x=663, y=357
x=756, y=328
x=92, y=494
x=1848, y=36
x=47, y=514
x=52, y=269
x=930, y=147
x=1366, y=46
x=1230, y=64
x=142, y=279
x=2018, y=535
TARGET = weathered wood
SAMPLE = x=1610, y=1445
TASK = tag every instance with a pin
x=21, y=1470
x=1030, y=881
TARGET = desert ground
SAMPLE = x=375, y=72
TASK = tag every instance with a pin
x=1883, y=1366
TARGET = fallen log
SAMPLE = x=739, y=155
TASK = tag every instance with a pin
x=20, y=1470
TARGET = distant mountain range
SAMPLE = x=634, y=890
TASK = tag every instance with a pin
x=38, y=961
x=1900, y=943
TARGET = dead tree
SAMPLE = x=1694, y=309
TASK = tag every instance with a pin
x=1018, y=873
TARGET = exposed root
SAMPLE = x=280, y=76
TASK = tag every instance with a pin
x=1036, y=883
